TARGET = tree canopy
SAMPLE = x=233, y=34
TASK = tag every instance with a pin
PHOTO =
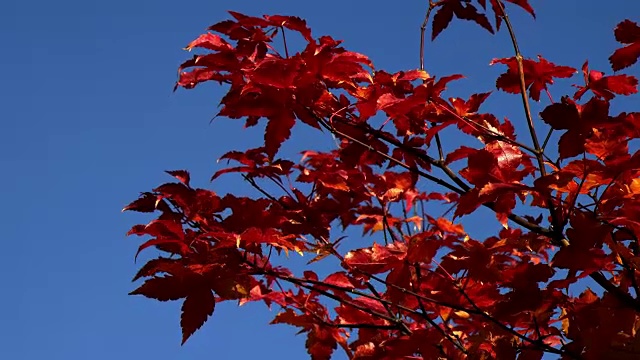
x=408, y=165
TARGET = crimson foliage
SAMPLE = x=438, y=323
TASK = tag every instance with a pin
x=422, y=287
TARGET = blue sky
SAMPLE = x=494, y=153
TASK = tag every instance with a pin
x=89, y=120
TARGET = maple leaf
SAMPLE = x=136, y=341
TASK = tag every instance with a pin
x=462, y=10
x=537, y=74
x=577, y=120
x=292, y=23
x=196, y=309
x=208, y=67
x=180, y=246
x=181, y=175
x=626, y=32
x=209, y=41
x=277, y=73
x=341, y=279
x=423, y=247
x=164, y=288
x=277, y=131
x=346, y=68
x=498, y=12
x=321, y=342
x=289, y=316
x=159, y=265
x=605, y=86
x=584, y=252
x=146, y=203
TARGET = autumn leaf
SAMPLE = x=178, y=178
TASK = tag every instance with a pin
x=146, y=203
x=584, y=252
x=181, y=175
x=537, y=74
x=292, y=23
x=578, y=120
x=159, y=265
x=209, y=41
x=164, y=288
x=277, y=73
x=462, y=10
x=627, y=32
x=606, y=86
x=196, y=309
x=290, y=317
x=339, y=278
x=277, y=131
x=498, y=12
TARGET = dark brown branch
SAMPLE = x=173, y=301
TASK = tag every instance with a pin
x=255, y=185
x=557, y=226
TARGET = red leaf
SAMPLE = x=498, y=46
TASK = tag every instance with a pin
x=441, y=20
x=158, y=265
x=561, y=116
x=422, y=248
x=161, y=241
x=245, y=20
x=445, y=225
x=196, y=309
x=190, y=79
x=579, y=120
x=293, y=23
x=209, y=41
x=321, y=342
x=288, y=316
x=146, y=203
x=479, y=166
x=586, y=238
x=498, y=12
x=606, y=86
x=468, y=202
x=181, y=175
x=570, y=144
x=461, y=153
x=165, y=228
x=462, y=10
x=164, y=288
x=525, y=5
x=347, y=67
x=277, y=73
x=627, y=32
x=371, y=304
x=339, y=278
x=414, y=75
x=537, y=74
x=278, y=130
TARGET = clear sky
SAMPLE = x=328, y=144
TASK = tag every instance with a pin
x=88, y=120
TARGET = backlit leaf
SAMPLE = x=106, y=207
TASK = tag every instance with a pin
x=196, y=309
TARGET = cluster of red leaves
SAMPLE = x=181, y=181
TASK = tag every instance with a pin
x=424, y=288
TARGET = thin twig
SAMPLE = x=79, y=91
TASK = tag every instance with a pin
x=284, y=40
x=555, y=222
x=546, y=139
